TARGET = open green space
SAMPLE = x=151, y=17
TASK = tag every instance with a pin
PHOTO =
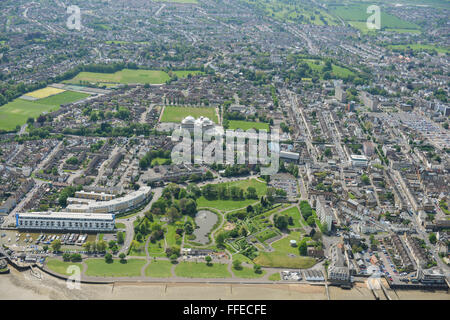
x=60, y=267
x=120, y=225
x=159, y=269
x=418, y=47
x=245, y=125
x=177, y=114
x=125, y=76
x=356, y=14
x=275, y=277
x=99, y=268
x=201, y=270
x=63, y=98
x=283, y=245
x=18, y=111
x=281, y=260
x=226, y=205
x=293, y=212
x=248, y=273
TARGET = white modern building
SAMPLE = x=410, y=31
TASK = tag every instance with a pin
x=359, y=160
x=117, y=205
x=190, y=123
x=65, y=221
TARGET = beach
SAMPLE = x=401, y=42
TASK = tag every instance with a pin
x=24, y=286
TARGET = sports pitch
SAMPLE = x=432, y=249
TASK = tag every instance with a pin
x=44, y=93
x=19, y=110
x=128, y=76
x=176, y=114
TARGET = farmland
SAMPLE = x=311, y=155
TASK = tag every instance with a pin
x=176, y=114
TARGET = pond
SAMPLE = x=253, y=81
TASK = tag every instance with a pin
x=205, y=220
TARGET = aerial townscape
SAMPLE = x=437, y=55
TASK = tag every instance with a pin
x=97, y=97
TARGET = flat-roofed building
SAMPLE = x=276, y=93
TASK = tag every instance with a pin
x=94, y=195
x=358, y=160
x=117, y=205
x=65, y=221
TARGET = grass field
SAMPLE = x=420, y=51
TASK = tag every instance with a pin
x=226, y=205
x=283, y=246
x=293, y=212
x=99, y=268
x=281, y=260
x=124, y=76
x=61, y=266
x=248, y=273
x=63, y=98
x=120, y=225
x=44, y=93
x=275, y=277
x=18, y=111
x=245, y=125
x=158, y=161
x=176, y=114
x=419, y=47
x=356, y=14
x=201, y=270
x=159, y=269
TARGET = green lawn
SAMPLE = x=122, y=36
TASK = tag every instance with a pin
x=99, y=268
x=245, y=125
x=357, y=12
x=283, y=246
x=63, y=98
x=18, y=111
x=125, y=76
x=226, y=205
x=275, y=277
x=185, y=73
x=201, y=270
x=159, y=269
x=248, y=273
x=158, y=161
x=61, y=266
x=120, y=225
x=176, y=114
x=280, y=260
x=293, y=212
x=419, y=47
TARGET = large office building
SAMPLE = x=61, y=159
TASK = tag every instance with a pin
x=117, y=205
x=189, y=123
x=359, y=160
x=100, y=196
x=65, y=221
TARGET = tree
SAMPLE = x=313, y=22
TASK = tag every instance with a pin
x=303, y=248
x=56, y=245
x=87, y=246
x=66, y=256
x=281, y=222
x=101, y=246
x=75, y=257
x=251, y=193
x=208, y=260
x=310, y=221
x=257, y=268
x=432, y=238
x=108, y=258
x=120, y=238
x=122, y=257
x=237, y=264
x=250, y=208
x=173, y=257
